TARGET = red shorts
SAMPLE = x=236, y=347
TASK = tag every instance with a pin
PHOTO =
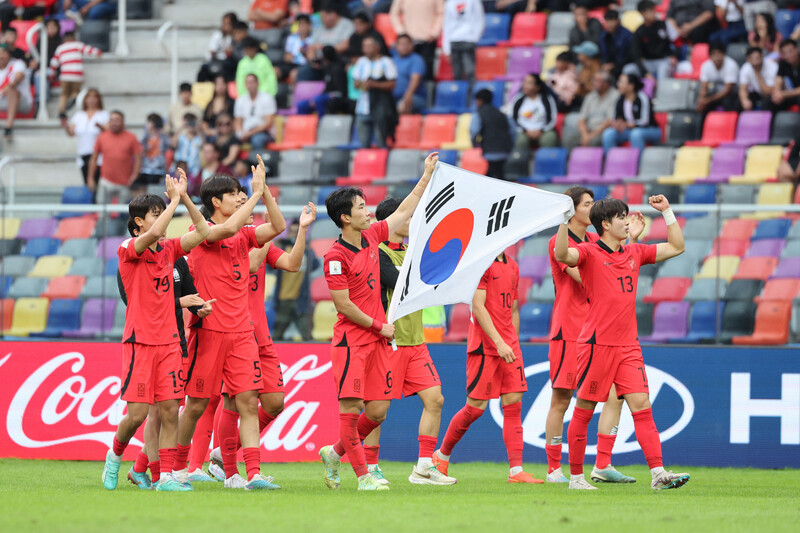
x=150, y=373
x=563, y=357
x=488, y=376
x=601, y=366
x=363, y=372
x=413, y=370
x=216, y=356
x=270, y=369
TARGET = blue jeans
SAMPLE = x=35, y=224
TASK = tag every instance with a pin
x=638, y=137
x=735, y=32
x=104, y=10
x=259, y=141
x=320, y=102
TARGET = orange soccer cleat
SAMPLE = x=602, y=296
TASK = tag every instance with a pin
x=440, y=464
x=524, y=477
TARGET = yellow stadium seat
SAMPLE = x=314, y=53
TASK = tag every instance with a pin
x=771, y=194
x=324, y=319
x=691, y=163
x=723, y=266
x=178, y=227
x=463, y=138
x=9, y=227
x=270, y=280
x=30, y=316
x=761, y=165
x=631, y=20
x=277, y=125
x=202, y=93
x=51, y=266
x=549, y=58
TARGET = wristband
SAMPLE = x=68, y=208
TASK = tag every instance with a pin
x=669, y=216
x=376, y=325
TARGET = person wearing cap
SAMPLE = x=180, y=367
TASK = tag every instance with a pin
x=615, y=44
x=589, y=59
x=180, y=109
x=634, y=120
x=256, y=62
x=15, y=88
x=586, y=28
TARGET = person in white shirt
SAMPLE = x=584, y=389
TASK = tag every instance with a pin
x=756, y=80
x=220, y=48
x=375, y=76
x=254, y=115
x=15, y=88
x=463, y=26
x=535, y=113
x=85, y=126
x=719, y=75
x=732, y=11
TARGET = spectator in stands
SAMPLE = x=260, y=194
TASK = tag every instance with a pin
x=34, y=9
x=463, y=27
x=334, y=100
x=10, y=39
x=292, y=290
x=268, y=16
x=294, y=52
x=375, y=76
x=122, y=162
x=494, y=132
x=86, y=125
x=596, y=114
x=718, y=77
x=363, y=28
x=190, y=142
x=732, y=12
x=652, y=55
x=240, y=33
x=212, y=166
x=634, y=121
x=221, y=103
x=753, y=7
x=68, y=62
x=563, y=79
x=242, y=173
x=589, y=59
x=256, y=62
x=789, y=167
x=615, y=44
x=535, y=113
x=586, y=28
x=370, y=6
x=692, y=20
x=53, y=28
x=220, y=49
x=765, y=35
x=78, y=10
x=180, y=109
x=226, y=141
x=254, y=114
x=7, y=13
x=756, y=80
x=409, y=91
x=422, y=20
x=787, y=84
x=155, y=144
x=334, y=31
x=15, y=89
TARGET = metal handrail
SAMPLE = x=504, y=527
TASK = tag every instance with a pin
x=122, y=26
x=40, y=55
x=172, y=53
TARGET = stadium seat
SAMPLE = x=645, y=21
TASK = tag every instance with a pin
x=761, y=165
x=753, y=127
x=369, y=164
x=670, y=321
x=320, y=247
x=534, y=267
x=87, y=267
x=773, y=194
x=526, y=29
x=544, y=292
x=30, y=316
x=682, y=266
x=668, y=290
x=631, y=20
x=657, y=230
x=43, y=246
x=333, y=164
x=69, y=287
x=518, y=165
x=97, y=32
x=407, y=133
x=738, y=228
x=719, y=127
x=498, y=88
x=202, y=93
x=9, y=227
x=644, y=319
x=334, y=130
x=303, y=90
x=644, y=286
x=787, y=268
x=655, y=161
x=756, y=268
x=473, y=161
x=736, y=194
x=81, y=247
x=37, y=228
x=437, y=130
x=463, y=140
x=403, y=165
x=780, y=289
x=786, y=20
x=701, y=228
x=51, y=266
x=458, y=323
x=17, y=265
x=97, y=318
x=549, y=58
x=296, y=166
x=771, y=325
x=691, y=163
x=298, y=131
x=725, y=264
x=75, y=228
x=703, y=321
x=75, y=196
x=621, y=164
x=100, y=287
x=319, y=287
x=534, y=321
x=738, y=320
x=64, y=315
x=697, y=57
x=726, y=161
x=522, y=61
x=444, y=72
x=451, y=97
x=772, y=229
x=23, y=27
x=111, y=267
x=323, y=320
x=5, y=285
x=107, y=247
x=559, y=24
x=548, y=163
x=178, y=227
x=490, y=62
x=673, y=95
x=766, y=248
x=683, y=126
x=6, y=314
x=785, y=126
x=10, y=247
x=732, y=247
x=700, y=194
x=743, y=290
x=496, y=28
x=383, y=24
x=271, y=160
x=585, y=164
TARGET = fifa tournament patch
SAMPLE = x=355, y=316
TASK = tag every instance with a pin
x=335, y=268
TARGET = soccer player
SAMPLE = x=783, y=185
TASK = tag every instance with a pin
x=608, y=345
x=224, y=346
x=413, y=371
x=569, y=313
x=359, y=350
x=151, y=349
x=494, y=366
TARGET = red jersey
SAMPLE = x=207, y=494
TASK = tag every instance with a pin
x=501, y=283
x=571, y=306
x=610, y=279
x=347, y=267
x=255, y=296
x=221, y=270
x=147, y=278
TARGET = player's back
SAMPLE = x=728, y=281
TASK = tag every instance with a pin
x=501, y=283
x=571, y=306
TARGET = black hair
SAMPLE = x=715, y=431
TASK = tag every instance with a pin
x=217, y=187
x=302, y=17
x=250, y=42
x=405, y=36
x=611, y=14
x=644, y=5
x=772, y=31
x=636, y=81
x=387, y=206
x=117, y=112
x=140, y=206
x=191, y=119
x=329, y=7
x=205, y=213
x=363, y=17
x=485, y=96
x=539, y=81
x=580, y=3
x=606, y=210
x=241, y=25
x=567, y=56
x=340, y=202
x=716, y=46
x=69, y=35
x=185, y=87
x=234, y=18
x=752, y=49
x=330, y=54
x=787, y=42
x=576, y=192
x=10, y=29
x=156, y=119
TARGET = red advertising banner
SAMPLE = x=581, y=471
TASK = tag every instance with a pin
x=60, y=400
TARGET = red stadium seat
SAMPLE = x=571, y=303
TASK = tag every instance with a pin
x=724, y=246
x=369, y=164
x=437, y=130
x=65, y=287
x=772, y=324
x=490, y=62
x=658, y=229
x=756, y=268
x=668, y=290
x=739, y=228
x=445, y=70
x=473, y=161
x=408, y=130
x=6, y=313
x=780, y=289
x=319, y=289
x=719, y=127
x=320, y=247
x=373, y=194
x=458, y=325
x=527, y=29
x=76, y=228
x=383, y=24
x=697, y=58
x=662, y=119
x=23, y=27
x=233, y=92
x=298, y=132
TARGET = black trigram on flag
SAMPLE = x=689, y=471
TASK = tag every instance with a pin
x=498, y=217
x=438, y=201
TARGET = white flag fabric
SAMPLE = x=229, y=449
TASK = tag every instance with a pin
x=463, y=222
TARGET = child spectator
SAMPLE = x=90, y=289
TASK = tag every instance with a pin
x=463, y=27
x=189, y=145
x=294, y=55
x=68, y=60
x=155, y=144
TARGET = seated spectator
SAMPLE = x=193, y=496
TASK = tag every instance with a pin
x=15, y=91
x=179, y=110
x=586, y=28
x=634, y=121
x=78, y=10
x=463, y=27
x=212, y=166
x=334, y=100
x=789, y=167
x=189, y=144
x=370, y=6
x=409, y=91
x=652, y=55
x=787, y=83
x=240, y=32
x=422, y=20
x=494, y=132
x=294, y=52
x=334, y=31
x=563, y=79
x=53, y=27
x=254, y=115
x=596, y=114
x=122, y=162
x=256, y=62
x=220, y=49
x=732, y=12
x=155, y=144
x=589, y=60
x=243, y=174
x=765, y=35
x=756, y=80
x=692, y=20
x=718, y=77
x=267, y=16
x=68, y=62
x=10, y=39
x=221, y=103
x=615, y=44
x=362, y=27
x=374, y=75
x=226, y=141
x=535, y=112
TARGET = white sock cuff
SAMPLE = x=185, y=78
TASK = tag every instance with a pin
x=555, y=441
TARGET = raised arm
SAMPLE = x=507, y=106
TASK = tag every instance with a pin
x=276, y=225
x=563, y=253
x=257, y=256
x=201, y=229
x=151, y=236
x=239, y=218
x=674, y=245
x=484, y=319
x=292, y=261
x=407, y=207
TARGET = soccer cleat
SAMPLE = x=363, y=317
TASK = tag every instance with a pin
x=140, y=479
x=556, y=476
x=429, y=475
x=261, y=482
x=369, y=482
x=581, y=484
x=235, y=482
x=217, y=472
x=168, y=483
x=610, y=474
x=524, y=477
x=668, y=480
x=111, y=470
x=332, y=479
x=378, y=473
x=181, y=476
x=440, y=464
x=200, y=476
x=216, y=458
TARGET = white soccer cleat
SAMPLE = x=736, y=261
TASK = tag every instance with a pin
x=378, y=474
x=669, y=480
x=181, y=476
x=200, y=476
x=261, y=482
x=235, y=482
x=429, y=476
x=216, y=457
x=557, y=476
x=580, y=483
x=216, y=471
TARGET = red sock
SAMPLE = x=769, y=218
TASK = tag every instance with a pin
x=229, y=438
x=371, y=454
x=252, y=461
x=141, y=463
x=605, y=443
x=155, y=470
x=264, y=420
x=648, y=437
x=365, y=427
x=167, y=458
x=427, y=445
x=181, y=456
x=339, y=449
x=351, y=443
x=512, y=433
x=118, y=447
x=202, y=436
x=576, y=436
x=217, y=416
x=553, y=456
x=458, y=426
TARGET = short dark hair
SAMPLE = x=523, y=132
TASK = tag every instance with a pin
x=156, y=119
x=716, y=46
x=387, y=206
x=140, y=206
x=404, y=36
x=251, y=42
x=363, y=17
x=232, y=16
x=644, y=5
x=241, y=25
x=576, y=192
x=753, y=49
x=69, y=35
x=217, y=187
x=606, y=210
x=302, y=17
x=10, y=29
x=185, y=87
x=329, y=53
x=340, y=202
x=636, y=81
x=567, y=56
x=485, y=96
x=611, y=14
x=787, y=42
x=118, y=112
x=252, y=74
x=329, y=7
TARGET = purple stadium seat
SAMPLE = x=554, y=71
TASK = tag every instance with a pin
x=621, y=164
x=534, y=267
x=787, y=268
x=37, y=228
x=649, y=86
x=726, y=161
x=304, y=90
x=752, y=128
x=670, y=321
x=585, y=164
x=107, y=247
x=521, y=62
x=97, y=318
x=766, y=248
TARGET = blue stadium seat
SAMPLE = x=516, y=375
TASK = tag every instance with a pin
x=449, y=156
x=498, y=89
x=324, y=192
x=270, y=311
x=42, y=246
x=5, y=284
x=548, y=162
x=786, y=20
x=600, y=191
x=534, y=321
x=496, y=29
x=451, y=97
x=112, y=265
x=64, y=315
x=703, y=322
x=776, y=228
x=75, y=195
x=701, y=194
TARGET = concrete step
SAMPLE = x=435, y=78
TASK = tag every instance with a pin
x=138, y=75
x=143, y=41
x=137, y=106
x=55, y=174
x=42, y=141
x=203, y=11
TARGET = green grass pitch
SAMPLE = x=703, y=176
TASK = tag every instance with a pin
x=68, y=496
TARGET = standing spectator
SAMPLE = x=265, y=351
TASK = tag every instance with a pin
x=334, y=31
x=692, y=20
x=718, y=77
x=615, y=44
x=363, y=28
x=221, y=103
x=226, y=141
x=334, y=100
x=732, y=12
x=463, y=27
x=756, y=80
x=122, y=161
x=409, y=91
x=589, y=59
x=534, y=111
x=596, y=114
x=155, y=144
x=765, y=35
x=180, y=109
x=256, y=62
x=494, y=132
x=78, y=10
x=651, y=52
x=254, y=114
x=212, y=166
x=292, y=290
x=422, y=20
x=375, y=75
x=787, y=84
x=15, y=89
x=294, y=54
x=268, y=15
x=68, y=61
x=633, y=117
x=87, y=125
x=563, y=79
x=189, y=144
x=220, y=48
x=586, y=28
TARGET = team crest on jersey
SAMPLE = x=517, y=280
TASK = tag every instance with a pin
x=632, y=263
x=335, y=268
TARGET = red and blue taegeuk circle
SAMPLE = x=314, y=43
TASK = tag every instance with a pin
x=446, y=246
